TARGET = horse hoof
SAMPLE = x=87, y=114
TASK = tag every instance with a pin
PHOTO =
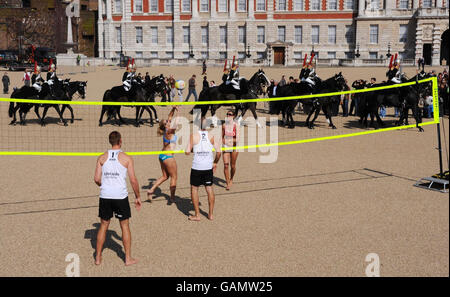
x=71, y=121
x=333, y=127
x=421, y=129
x=65, y=124
x=13, y=123
x=100, y=124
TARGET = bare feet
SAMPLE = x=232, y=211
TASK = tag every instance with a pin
x=98, y=260
x=130, y=261
x=210, y=217
x=172, y=200
x=228, y=187
x=194, y=218
x=150, y=195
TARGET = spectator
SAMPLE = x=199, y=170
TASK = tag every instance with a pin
x=205, y=83
x=282, y=81
x=344, y=100
x=147, y=78
x=291, y=80
x=78, y=60
x=421, y=63
x=192, y=90
x=357, y=84
x=6, y=82
x=443, y=96
x=204, y=67
x=171, y=83
x=26, y=78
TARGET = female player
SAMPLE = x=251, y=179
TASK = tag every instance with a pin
x=167, y=161
x=230, y=132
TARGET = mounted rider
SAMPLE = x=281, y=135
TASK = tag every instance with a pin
x=230, y=80
x=308, y=72
x=51, y=74
x=394, y=74
x=129, y=75
x=36, y=80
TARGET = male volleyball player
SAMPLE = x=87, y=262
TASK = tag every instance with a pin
x=203, y=167
x=110, y=175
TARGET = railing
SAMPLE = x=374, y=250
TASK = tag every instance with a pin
x=373, y=61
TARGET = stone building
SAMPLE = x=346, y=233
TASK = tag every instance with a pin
x=272, y=32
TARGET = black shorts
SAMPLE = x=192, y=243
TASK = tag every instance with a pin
x=119, y=207
x=201, y=177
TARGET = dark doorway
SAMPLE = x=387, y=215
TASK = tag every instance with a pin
x=278, y=54
x=427, y=53
x=445, y=47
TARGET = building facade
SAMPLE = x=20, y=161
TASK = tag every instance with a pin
x=272, y=32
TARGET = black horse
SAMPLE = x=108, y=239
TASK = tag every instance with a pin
x=70, y=88
x=404, y=98
x=153, y=87
x=136, y=93
x=56, y=92
x=287, y=107
x=251, y=88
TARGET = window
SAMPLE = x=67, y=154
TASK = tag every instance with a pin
x=403, y=33
x=222, y=55
x=373, y=33
x=315, y=34
x=426, y=3
x=153, y=5
x=241, y=34
x=374, y=4
x=332, y=34
x=169, y=55
x=298, y=34
x=315, y=4
x=204, y=5
x=260, y=5
x=332, y=4
x=241, y=55
x=137, y=5
x=331, y=55
x=205, y=35
x=403, y=4
x=186, y=55
x=223, y=5
x=139, y=35
x=168, y=6
x=169, y=35
x=349, y=36
x=242, y=5
x=186, y=34
x=298, y=5
x=154, y=34
x=282, y=33
x=139, y=55
x=261, y=37
x=205, y=55
x=281, y=5
x=223, y=34
x=186, y=6
x=118, y=54
x=297, y=55
x=154, y=55
x=373, y=55
x=349, y=4
x=349, y=55
x=118, y=35
x=118, y=6
x=261, y=55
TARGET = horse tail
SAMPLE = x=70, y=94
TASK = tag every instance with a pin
x=106, y=98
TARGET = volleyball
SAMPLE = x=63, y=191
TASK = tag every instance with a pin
x=180, y=84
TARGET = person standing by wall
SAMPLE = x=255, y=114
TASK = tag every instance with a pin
x=204, y=67
x=6, y=82
x=26, y=78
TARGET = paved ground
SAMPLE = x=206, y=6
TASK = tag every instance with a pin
x=317, y=211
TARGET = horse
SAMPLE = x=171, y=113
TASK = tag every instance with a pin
x=152, y=87
x=72, y=87
x=335, y=83
x=403, y=98
x=250, y=88
x=118, y=94
x=46, y=93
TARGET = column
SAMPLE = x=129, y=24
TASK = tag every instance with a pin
x=213, y=9
x=415, y=4
x=251, y=9
x=100, y=29
x=361, y=7
x=195, y=9
x=269, y=9
x=232, y=11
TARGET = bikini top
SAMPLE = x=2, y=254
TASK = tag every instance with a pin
x=230, y=132
x=173, y=140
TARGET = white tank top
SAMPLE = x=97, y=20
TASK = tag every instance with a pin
x=203, y=153
x=114, y=175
